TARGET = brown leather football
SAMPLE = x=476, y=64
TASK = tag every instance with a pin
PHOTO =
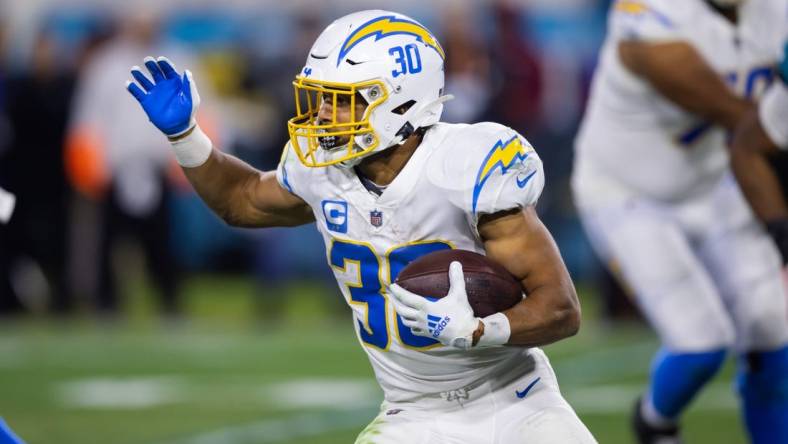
x=489, y=286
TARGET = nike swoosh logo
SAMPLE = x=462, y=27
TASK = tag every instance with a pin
x=523, y=393
x=522, y=183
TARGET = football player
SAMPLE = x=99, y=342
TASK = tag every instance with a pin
x=653, y=186
x=761, y=133
x=386, y=182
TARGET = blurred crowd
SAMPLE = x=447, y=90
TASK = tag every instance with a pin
x=96, y=184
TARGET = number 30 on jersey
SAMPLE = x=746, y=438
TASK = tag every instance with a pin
x=367, y=288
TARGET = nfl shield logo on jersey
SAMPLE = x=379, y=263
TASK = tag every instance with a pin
x=376, y=218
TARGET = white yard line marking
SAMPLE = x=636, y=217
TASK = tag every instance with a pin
x=352, y=403
x=609, y=399
x=120, y=393
x=604, y=365
x=324, y=393
x=11, y=354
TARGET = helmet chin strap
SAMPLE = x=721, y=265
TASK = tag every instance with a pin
x=350, y=163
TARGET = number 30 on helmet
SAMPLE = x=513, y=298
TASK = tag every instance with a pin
x=385, y=60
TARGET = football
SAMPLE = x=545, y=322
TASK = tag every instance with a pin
x=490, y=287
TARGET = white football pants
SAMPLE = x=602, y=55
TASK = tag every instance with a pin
x=511, y=409
x=704, y=272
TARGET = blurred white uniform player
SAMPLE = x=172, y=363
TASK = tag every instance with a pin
x=654, y=189
x=385, y=183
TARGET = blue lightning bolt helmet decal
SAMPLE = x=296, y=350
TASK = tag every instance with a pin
x=386, y=26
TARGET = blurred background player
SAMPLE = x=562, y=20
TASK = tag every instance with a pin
x=370, y=163
x=124, y=166
x=37, y=101
x=761, y=134
x=655, y=193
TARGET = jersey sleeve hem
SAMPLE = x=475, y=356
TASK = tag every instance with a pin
x=285, y=170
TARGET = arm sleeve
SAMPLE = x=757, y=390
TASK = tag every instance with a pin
x=773, y=114
x=646, y=20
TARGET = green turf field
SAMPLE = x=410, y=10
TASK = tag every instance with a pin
x=222, y=377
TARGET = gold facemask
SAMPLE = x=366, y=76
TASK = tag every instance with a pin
x=315, y=143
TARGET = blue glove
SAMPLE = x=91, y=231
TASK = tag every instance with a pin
x=7, y=436
x=170, y=101
x=782, y=68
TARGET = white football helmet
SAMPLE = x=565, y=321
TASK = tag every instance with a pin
x=391, y=61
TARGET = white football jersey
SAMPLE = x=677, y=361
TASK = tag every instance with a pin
x=634, y=141
x=457, y=173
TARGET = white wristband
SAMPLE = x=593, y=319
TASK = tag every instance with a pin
x=7, y=203
x=192, y=150
x=496, y=330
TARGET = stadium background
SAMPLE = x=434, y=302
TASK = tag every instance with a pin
x=259, y=347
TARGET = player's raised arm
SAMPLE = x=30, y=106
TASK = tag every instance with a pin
x=680, y=73
x=238, y=193
x=519, y=241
